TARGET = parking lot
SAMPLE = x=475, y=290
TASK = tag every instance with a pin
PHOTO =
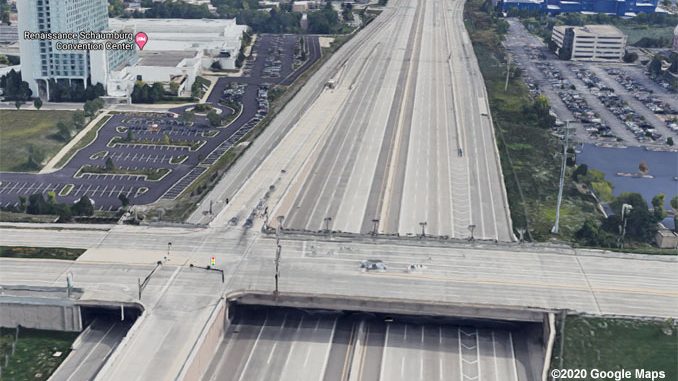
x=140, y=143
x=607, y=104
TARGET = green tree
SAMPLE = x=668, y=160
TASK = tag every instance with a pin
x=188, y=116
x=83, y=207
x=581, y=170
x=51, y=198
x=641, y=225
x=109, y=165
x=37, y=204
x=64, y=131
x=123, y=199
x=18, y=104
x=166, y=139
x=78, y=120
x=658, y=207
x=35, y=157
x=22, y=203
x=214, y=118
x=37, y=103
x=130, y=135
x=669, y=141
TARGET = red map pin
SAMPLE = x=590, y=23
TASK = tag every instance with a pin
x=141, y=39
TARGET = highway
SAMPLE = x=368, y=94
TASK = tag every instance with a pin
x=91, y=350
x=300, y=345
x=403, y=141
x=178, y=299
x=412, y=140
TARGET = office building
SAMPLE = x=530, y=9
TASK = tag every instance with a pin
x=589, y=43
x=628, y=8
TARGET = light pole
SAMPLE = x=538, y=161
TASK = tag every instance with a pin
x=471, y=228
x=69, y=283
x=555, y=228
x=423, y=228
x=169, y=248
x=278, y=251
x=625, y=211
x=375, y=226
x=327, y=224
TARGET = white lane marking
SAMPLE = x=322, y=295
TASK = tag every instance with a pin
x=513, y=358
x=249, y=357
x=383, y=353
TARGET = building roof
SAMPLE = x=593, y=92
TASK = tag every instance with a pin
x=597, y=30
x=165, y=58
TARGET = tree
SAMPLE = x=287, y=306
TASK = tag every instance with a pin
x=64, y=131
x=109, y=165
x=35, y=157
x=641, y=225
x=580, y=171
x=655, y=67
x=15, y=88
x=188, y=116
x=78, y=120
x=123, y=199
x=130, y=135
x=22, y=203
x=18, y=104
x=51, y=198
x=658, y=207
x=92, y=106
x=669, y=141
x=630, y=57
x=37, y=204
x=166, y=139
x=83, y=207
x=37, y=103
x=214, y=118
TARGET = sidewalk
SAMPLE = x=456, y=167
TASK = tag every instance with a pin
x=50, y=166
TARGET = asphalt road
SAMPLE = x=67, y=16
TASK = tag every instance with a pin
x=411, y=140
x=94, y=346
x=285, y=344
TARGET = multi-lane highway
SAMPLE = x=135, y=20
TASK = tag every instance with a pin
x=411, y=140
x=286, y=344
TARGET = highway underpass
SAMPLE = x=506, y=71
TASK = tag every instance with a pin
x=266, y=343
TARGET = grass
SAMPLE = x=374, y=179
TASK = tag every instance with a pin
x=86, y=140
x=613, y=344
x=24, y=217
x=40, y=252
x=33, y=358
x=530, y=155
x=192, y=144
x=21, y=128
x=636, y=32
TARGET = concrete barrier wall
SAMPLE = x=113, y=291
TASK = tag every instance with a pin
x=55, y=317
x=385, y=305
x=206, y=346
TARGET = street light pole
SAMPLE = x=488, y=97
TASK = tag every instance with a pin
x=625, y=210
x=471, y=228
x=169, y=247
x=278, y=251
x=375, y=226
x=555, y=228
x=423, y=228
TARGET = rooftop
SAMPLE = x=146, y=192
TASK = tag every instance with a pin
x=167, y=58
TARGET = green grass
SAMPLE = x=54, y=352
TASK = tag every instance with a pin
x=613, y=344
x=86, y=140
x=40, y=252
x=33, y=356
x=21, y=128
x=636, y=32
x=24, y=217
x=530, y=155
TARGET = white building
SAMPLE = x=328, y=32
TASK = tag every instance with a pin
x=589, y=42
x=216, y=39
x=675, y=39
x=40, y=22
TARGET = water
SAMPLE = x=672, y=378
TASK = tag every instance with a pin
x=662, y=165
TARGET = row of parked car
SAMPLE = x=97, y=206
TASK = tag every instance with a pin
x=636, y=123
x=646, y=97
